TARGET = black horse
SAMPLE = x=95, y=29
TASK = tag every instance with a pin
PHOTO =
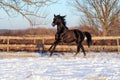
x=64, y=35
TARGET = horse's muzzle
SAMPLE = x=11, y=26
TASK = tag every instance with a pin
x=53, y=24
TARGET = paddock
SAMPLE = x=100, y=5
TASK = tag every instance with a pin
x=96, y=66
x=18, y=61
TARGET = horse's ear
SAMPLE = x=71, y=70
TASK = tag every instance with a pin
x=54, y=15
x=64, y=16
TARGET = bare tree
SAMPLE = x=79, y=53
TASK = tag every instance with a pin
x=25, y=8
x=103, y=14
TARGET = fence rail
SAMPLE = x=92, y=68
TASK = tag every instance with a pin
x=5, y=43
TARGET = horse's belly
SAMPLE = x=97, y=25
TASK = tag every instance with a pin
x=69, y=37
x=68, y=40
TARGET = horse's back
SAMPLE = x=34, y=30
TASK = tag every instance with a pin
x=79, y=34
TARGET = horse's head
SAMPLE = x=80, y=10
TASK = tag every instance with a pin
x=58, y=20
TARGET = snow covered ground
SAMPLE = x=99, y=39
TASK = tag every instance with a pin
x=96, y=66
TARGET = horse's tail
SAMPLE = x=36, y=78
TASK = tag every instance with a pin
x=89, y=38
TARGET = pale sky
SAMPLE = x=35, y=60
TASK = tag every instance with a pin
x=61, y=8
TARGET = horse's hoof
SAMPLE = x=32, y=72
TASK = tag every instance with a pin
x=48, y=51
x=50, y=56
x=85, y=56
x=75, y=55
x=63, y=54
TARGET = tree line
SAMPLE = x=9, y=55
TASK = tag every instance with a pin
x=102, y=16
x=50, y=32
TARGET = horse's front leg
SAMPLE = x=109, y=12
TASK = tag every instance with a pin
x=56, y=39
x=51, y=46
x=54, y=46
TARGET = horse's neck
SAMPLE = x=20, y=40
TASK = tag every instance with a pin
x=66, y=28
x=61, y=28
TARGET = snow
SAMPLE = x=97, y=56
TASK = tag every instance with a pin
x=96, y=66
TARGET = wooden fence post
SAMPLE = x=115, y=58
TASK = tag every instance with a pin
x=8, y=44
x=41, y=46
x=3, y=40
x=118, y=46
x=43, y=39
x=34, y=40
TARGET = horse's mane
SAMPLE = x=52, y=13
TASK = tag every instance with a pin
x=63, y=21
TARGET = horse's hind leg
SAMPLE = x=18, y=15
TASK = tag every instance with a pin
x=78, y=50
x=83, y=49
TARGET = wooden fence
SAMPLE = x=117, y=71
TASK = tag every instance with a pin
x=8, y=43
